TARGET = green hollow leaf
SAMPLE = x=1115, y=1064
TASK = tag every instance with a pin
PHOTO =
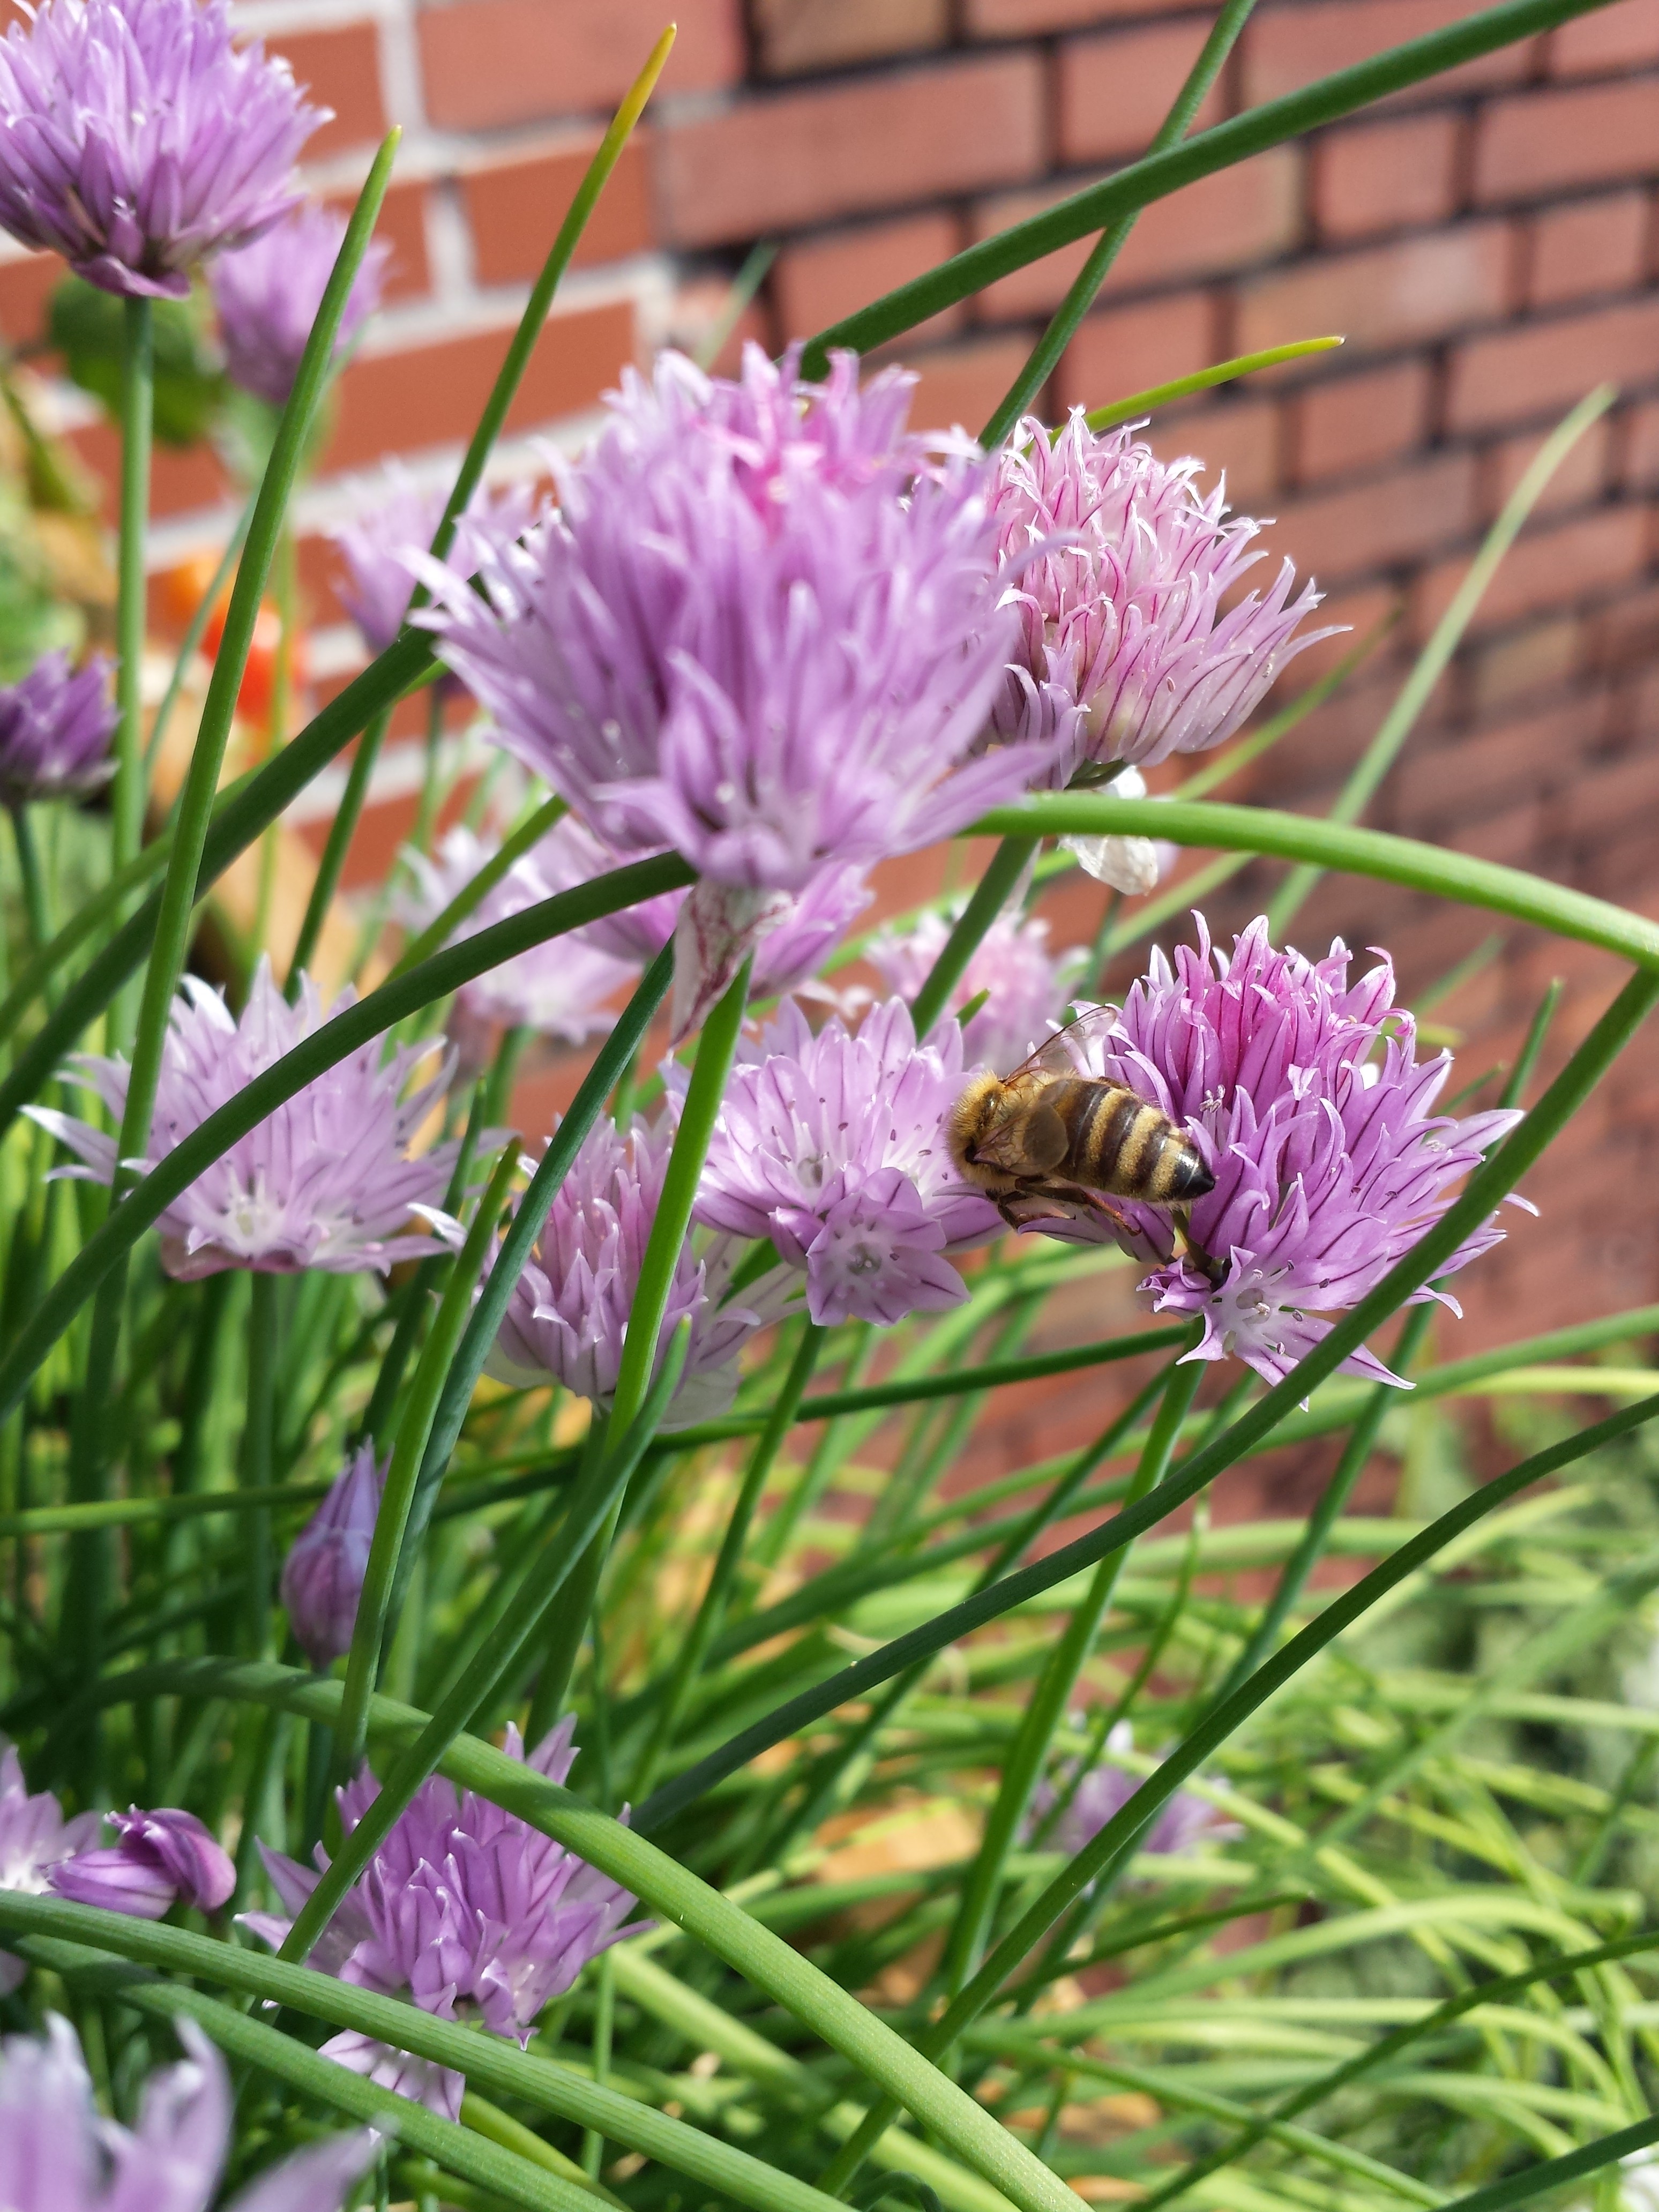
x=1159, y=174
x=456, y=2149
x=963, y=2126
x=347, y=1032
x=1458, y=877
x=487, y=2061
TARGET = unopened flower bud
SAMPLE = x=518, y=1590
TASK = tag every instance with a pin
x=157, y=1857
x=322, y=1574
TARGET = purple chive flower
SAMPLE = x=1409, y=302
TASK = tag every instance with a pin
x=465, y=1909
x=762, y=628
x=1119, y=567
x=267, y=294
x=833, y=1145
x=1305, y=1095
x=786, y=958
x=384, y=543
x=137, y=136
x=1184, y=1820
x=58, y=2155
x=560, y=989
x=322, y=1574
x=56, y=726
x=1029, y=986
x=34, y=1836
x=327, y=1182
x=568, y=1312
x=157, y=1859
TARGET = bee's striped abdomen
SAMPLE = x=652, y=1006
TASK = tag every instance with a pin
x=1124, y=1146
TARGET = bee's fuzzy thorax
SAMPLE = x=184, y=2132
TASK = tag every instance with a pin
x=967, y=1124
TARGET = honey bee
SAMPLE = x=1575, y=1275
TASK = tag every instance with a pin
x=1047, y=1139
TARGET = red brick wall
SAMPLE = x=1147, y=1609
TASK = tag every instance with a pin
x=1487, y=244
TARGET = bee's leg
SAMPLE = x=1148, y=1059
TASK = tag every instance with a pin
x=1213, y=1269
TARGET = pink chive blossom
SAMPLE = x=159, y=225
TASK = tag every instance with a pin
x=322, y=1574
x=561, y=988
x=158, y=1860
x=268, y=296
x=1119, y=567
x=1029, y=986
x=1184, y=1820
x=56, y=727
x=57, y=2154
x=33, y=1838
x=138, y=135
x=1305, y=1095
x=569, y=1310
x=833, y=1145
x=328, y=1181
x=388, y=535
x=465, y=1909
x=763, y=628
x=786, y=958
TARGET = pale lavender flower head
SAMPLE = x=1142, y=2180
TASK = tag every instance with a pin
x=268, y=296
x=1029, y=986
x=138, y=135
x=1330, y=1164
x=157, y=1859
x=762, y=628
x=465, y=1909
x=33, y=1838
x=561, y=988
x=834, y=1146
x=322, y=1574
x=388, y=537
x=327, y=1182
x=1184, y=1820
x=58, y=2155
x=1119, y=567
x=788, y=955
x=56, y=726
x=569, y=1310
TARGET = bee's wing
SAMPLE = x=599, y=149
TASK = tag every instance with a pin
x=1067, y=1053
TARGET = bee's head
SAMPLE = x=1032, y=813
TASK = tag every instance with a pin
x=973, y=1117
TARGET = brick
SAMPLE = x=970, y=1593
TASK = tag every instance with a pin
x=1544, y=367
x=1220, y=223
x=1582, y=476
x=1354, y=423
x=401, y=226
x=1626, y=632
x=1593, y=245
x=26, y=285
x=1539, y=142
x=807, y=156
x=1115, y=90
x=1511, y=839
x=817, y=281
x=1237, y=437
x=1385, y=176
x=1024, y=19
x=793, y=35
x=1603, y=799
x=181, y=477
x=1641, y=440
x=1127, y=350
x=1414, y=289
x=1434, y=790
x=342, y=69
x=1532, y=661
x=514, y=209
x=1549, y=569
x=486, y=63
x=961, y=383
x=1286, y=47
x=1624, y=37
x=1393, y=518
x=428, y=395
